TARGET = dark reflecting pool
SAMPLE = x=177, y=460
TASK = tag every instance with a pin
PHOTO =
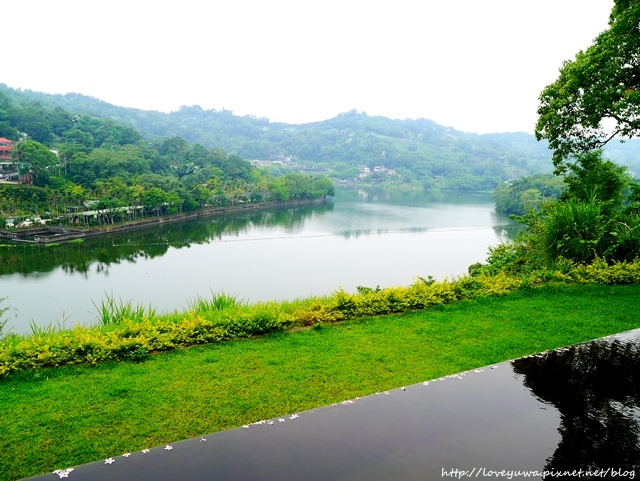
x=562, y=411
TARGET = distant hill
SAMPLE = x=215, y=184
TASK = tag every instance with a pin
x=418, y=151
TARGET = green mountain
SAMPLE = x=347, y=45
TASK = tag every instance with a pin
x=349, y=146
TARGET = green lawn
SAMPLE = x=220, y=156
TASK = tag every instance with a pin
x=62, y=417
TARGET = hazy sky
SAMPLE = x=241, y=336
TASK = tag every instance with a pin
x=476, y=65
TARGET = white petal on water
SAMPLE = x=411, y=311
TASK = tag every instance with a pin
x=109, y=461
x=63, y=473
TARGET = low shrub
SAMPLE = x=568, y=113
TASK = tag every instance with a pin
x=599, y=271
x=133, y=333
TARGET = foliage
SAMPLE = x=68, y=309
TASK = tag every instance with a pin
x=572, y=229
x=592, y=178
x=419, y=152
x=97, y=409
x=595, y=216
x=596, y=98
x=106, y=167
x=125, y=331
x=527, y=193
x=3, y=320
x=217, y=302
x=599, y=271
x=33, y=157
x=597, y=95
x=112, y=312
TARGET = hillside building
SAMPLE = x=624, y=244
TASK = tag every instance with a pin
x=5, y=149
x=7, y=164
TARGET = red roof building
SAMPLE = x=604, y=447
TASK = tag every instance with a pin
x=5, y=149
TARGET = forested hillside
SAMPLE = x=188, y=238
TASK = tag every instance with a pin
x=69, y=163
x=420, y=151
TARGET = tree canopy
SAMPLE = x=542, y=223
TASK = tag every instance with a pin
x=597, y=95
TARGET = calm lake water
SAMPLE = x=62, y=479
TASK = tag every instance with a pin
x=360, y=238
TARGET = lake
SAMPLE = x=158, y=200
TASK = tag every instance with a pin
x=359, y=238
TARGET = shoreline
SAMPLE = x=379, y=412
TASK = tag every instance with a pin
x=66, y=234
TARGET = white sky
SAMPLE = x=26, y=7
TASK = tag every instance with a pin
x=476, y=65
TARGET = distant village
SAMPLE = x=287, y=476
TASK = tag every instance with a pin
x=10, y=168
x=365, y=174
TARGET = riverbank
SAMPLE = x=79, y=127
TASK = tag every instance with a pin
x=57, y=234
x=62, y=417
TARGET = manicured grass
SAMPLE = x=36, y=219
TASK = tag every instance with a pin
x=62, y=417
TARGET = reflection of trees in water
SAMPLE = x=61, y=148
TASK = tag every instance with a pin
x=411, y=198
x=362, y=232
x=146, y=244
x=508, y=231
x=596, y=389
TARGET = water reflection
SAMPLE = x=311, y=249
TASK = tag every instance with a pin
x=148, y=243
x=534, y=418
x=361, y=239
x=367, y=213
x=596, y=389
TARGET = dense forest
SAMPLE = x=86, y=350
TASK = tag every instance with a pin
x=70, y=162
x=526, y=194
x=418, y=152
x=348, y=147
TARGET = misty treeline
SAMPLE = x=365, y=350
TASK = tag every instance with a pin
x=420, y=152
x=68, y=162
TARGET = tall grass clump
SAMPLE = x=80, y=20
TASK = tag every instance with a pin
x=217, y=302
x=3, y=319
x=112, y=312
x=573, y=230
x=45, y=331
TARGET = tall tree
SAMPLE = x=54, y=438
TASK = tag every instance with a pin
x=33, y=156
x=597, y=95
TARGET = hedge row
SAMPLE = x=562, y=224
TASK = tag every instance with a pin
x=136, y=339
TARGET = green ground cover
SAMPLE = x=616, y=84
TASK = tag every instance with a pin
x=61, y=417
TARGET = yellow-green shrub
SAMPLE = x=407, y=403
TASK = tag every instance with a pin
x=135, y=339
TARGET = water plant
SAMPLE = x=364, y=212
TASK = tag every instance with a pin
x=3, y=320
x=217, y=302
x=113, y=312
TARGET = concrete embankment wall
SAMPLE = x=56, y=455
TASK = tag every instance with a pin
x=67, y=234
